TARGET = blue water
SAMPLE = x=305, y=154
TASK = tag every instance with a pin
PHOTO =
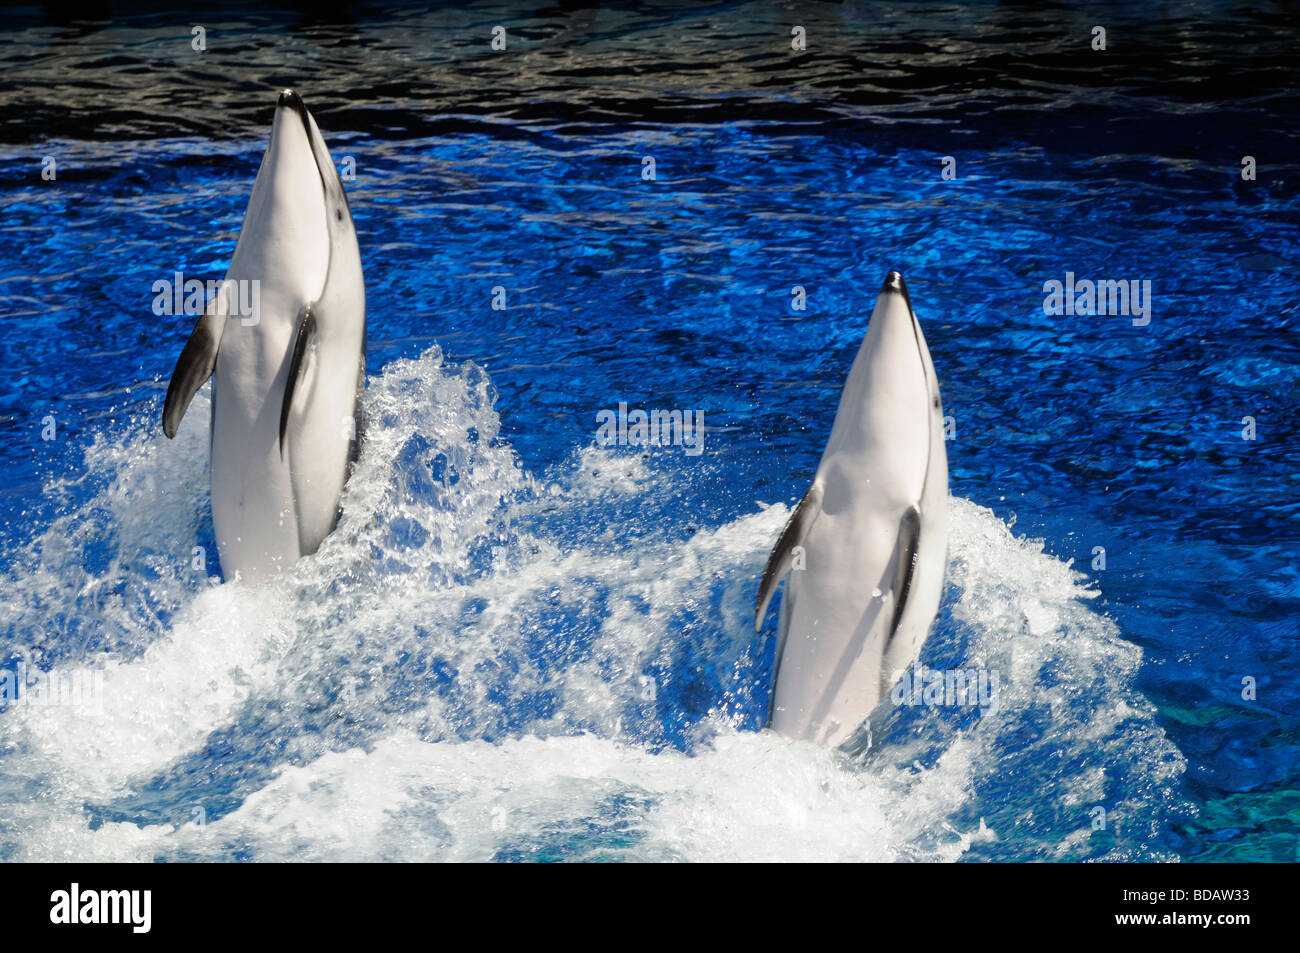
x=520, y=645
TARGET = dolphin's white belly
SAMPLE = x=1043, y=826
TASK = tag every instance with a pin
x=836, y=618
x=253, y=514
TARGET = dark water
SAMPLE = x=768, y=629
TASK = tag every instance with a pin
x=509, y=589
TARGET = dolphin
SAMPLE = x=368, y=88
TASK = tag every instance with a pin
x=867, y=547
x=288, y=379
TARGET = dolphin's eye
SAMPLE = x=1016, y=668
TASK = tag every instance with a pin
x=936, y=403
x=338, y=212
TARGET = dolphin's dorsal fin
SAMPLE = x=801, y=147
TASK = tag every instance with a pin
x=197, y=362
x=302, y=338
x=778, y=563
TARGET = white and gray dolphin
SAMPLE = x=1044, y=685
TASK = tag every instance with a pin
x=288, y=380
x=866, y=549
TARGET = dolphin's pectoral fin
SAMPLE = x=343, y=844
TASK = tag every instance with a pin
x=358, y=416
x=195, y=365
x=905, y=553
x=778, y=563
x=306, y=331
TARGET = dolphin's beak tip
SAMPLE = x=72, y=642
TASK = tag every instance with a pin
x=290, y=99
x=894, y=282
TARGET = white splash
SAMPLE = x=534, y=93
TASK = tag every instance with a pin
x=482, y=665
